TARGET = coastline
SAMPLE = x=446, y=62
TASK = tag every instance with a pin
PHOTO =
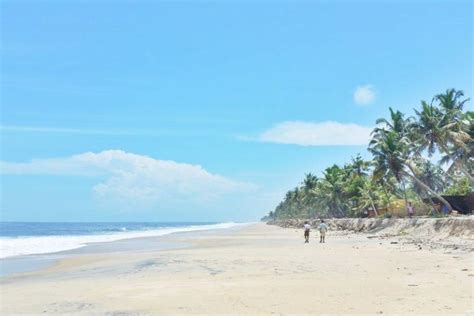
x=29, y=263
x=258, y=269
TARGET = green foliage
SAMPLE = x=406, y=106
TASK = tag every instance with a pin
x=400, y=168
x=460, y=186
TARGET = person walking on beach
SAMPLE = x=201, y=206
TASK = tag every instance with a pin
x=410, y=210
x=322, y=231
x=307, y=228
x=445, y=210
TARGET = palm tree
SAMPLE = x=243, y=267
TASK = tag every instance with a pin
x=308, y=197
x=392, y=156
x=455, y=122
x=310, y=181
x=428, y=132
x=359, y=166
x=451, y=105
x=331, y=191
x=368, y=195
x=446, y=128
x=397, y=123
x=432, y=175
x=461, y=158
x=388, y=184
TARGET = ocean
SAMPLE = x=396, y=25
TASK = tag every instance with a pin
x=30, y=238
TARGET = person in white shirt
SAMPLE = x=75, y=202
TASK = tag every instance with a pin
x=323, y=228
x=410, y=210
x=307, y=228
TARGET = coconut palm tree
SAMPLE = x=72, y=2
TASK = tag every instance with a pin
x=439, y=126
x=447, y=129
x=451, y=104
x=397, y=123
x=433, y=175
x=392, y=156
x=359, y=166
x=308, y=196
x=398, y=127
x=310, y=181
x=331, y=191
x=368, y=195
x=454, y=120
x=428, y=132
x=461, y=158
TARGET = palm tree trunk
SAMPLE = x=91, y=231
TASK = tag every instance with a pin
x=389, y=206
x=373, y=206
x=427, y=188
x=405, y=194
x=340, y=210
x=433, y=205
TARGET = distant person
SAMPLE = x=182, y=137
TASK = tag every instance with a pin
x=323, y=228
x=445, y=210
x=410, y=210
x=307, y=228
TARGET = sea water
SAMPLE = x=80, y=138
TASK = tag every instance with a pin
x=22, y=238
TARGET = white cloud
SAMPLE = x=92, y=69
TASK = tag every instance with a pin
x=317, y=134
x=364, y=95
x=129, y=177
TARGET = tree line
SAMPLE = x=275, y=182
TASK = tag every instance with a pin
x=402, y=168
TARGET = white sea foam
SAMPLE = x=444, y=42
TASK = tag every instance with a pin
x=17, y=246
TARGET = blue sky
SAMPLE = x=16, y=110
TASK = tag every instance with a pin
x=205, y=110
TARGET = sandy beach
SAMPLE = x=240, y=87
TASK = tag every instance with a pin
x=257, y=269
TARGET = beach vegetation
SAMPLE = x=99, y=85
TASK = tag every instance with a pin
x=412, y=158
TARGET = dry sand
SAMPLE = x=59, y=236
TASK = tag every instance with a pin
x=258, y=269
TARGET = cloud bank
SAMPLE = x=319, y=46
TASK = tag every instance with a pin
x=364, y=95
x=316, y=133
x=136, y=178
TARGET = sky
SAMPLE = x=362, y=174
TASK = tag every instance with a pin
x=205, y=111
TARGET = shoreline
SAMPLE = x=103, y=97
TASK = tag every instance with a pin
x=18, y=243
x=30, y=263
x=251, y=270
